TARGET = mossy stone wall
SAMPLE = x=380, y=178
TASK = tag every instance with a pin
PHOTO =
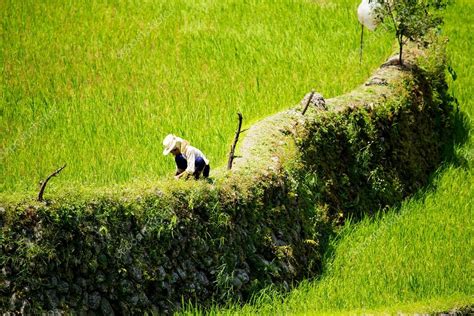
x=266, y=222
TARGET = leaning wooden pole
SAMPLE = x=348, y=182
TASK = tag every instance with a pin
x=361, y=43
x=307, y=103
x=234, y=144
x=45, y=182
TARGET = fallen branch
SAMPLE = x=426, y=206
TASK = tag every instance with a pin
x=307, y=103
x=45, y=182
x=236, y=139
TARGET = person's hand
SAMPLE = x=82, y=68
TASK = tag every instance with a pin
x=178, y=176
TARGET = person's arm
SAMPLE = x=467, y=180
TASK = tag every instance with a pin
x=178, y=171
x=180, y=175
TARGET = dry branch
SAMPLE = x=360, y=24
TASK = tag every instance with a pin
x=236, y=139
x=45, y=182
x=307, y=103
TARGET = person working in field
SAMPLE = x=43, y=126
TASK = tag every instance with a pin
x=189, y=160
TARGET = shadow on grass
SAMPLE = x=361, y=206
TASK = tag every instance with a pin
x=461, y=128
x=451, y=157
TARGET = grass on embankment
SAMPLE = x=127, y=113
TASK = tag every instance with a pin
x=421, y=253
x=98, y=85
x=413, y=259
x=417, y=259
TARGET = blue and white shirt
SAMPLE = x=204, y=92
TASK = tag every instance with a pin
x=191, y=153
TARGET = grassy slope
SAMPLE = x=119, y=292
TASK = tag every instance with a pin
x=418, y=258
x=98, y=86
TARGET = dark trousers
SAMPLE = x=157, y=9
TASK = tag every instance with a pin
x=199, y=165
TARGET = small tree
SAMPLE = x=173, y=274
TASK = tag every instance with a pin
x=410, y=19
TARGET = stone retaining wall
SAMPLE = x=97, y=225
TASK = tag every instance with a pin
x=266, y=222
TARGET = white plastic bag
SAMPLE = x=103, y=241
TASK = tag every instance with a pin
x=366, y=13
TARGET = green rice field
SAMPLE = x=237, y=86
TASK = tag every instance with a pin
x=414, y=259
x=97, y=85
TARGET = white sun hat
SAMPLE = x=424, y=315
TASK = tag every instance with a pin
x=171, y=142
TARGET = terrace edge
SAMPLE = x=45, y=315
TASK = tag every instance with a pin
x=265, y=222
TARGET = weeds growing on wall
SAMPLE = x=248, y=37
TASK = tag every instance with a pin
x=364, y=159
x=209, y=242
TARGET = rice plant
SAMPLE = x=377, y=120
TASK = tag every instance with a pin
x=97, y=85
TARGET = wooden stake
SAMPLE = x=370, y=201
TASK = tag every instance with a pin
x=45, y=182
x=236, y=139
x=361, y=43
x=307, y=103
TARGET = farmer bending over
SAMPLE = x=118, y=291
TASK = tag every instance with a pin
x=189, y=160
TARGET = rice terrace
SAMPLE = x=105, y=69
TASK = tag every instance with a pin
x=129, y=184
